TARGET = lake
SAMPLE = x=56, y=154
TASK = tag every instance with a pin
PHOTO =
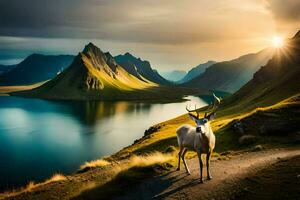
x=39, y=138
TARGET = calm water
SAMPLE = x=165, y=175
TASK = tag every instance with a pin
x=39, y=138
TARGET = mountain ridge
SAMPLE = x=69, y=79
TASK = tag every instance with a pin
x=231, y=75
x=93, y=74
x=143, y=67
x=196, y=71
x=36, y=68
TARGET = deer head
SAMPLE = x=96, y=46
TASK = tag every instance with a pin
x=209, y=114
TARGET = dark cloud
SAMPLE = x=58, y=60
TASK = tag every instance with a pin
x=285, y=10
x=146, y=21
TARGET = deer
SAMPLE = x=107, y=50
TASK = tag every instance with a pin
x=200, y=138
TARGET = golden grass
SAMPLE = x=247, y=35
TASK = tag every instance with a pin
x=149, y=159
x=127, y=173
x=32, y=185
x=94, y=164
x=4, y=90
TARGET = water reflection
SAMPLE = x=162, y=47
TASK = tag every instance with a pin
x=39, y=138
x=89, y=112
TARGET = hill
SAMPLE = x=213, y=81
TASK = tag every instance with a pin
x=196, y=71
x=36, y=68
x=136, y=66
x=231, y=75
x=174, y=76
x=92, y=75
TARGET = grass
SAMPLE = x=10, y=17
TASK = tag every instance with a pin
x=32, y=185
x=137, y=169
x=93, y=164
x=128, y=170
x=5, y=90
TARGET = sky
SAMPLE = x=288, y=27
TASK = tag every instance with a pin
x=171, y=34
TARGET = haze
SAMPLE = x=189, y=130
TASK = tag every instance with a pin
x=170, y=34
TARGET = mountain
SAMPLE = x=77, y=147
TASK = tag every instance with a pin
x=6, y=68
x=36, y=68
x=230, y=75
x=174, y=76
x=274, y=82
x=196, y=71
x=92, y=75
x=136, y=66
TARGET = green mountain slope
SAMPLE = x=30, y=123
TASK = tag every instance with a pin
x=92, y=75
x=230, y=75
x=36, y=68
x=274, y=82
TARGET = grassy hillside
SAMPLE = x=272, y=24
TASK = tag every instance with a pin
x=267, y=105
x=274, y=82
x=231, y=75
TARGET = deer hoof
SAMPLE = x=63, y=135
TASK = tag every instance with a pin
x=189, y=173
x=201, y=181
x=209, y=177
x=178, y=169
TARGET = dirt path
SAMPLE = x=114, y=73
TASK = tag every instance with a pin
x=229, y=178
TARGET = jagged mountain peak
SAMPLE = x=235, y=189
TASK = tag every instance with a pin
x=90, y=48
x=128, y=54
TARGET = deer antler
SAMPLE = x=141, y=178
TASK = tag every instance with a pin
x=211, y=109
x=195, y=110
x=214, y=106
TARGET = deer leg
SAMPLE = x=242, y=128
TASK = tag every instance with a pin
x=201, y=166
x=183, y=159
x=179, y=155
x=209, y=177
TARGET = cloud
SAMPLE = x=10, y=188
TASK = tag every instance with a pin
x=285, y=10
x=144, y=21
x=169, y=33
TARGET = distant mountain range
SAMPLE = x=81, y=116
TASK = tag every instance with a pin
x=230, y=75
x=138, y=67
x=196, y=71
x=174, y=75
x=92, y=75
x=36, y=68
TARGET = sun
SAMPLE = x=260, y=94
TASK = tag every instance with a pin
x=277, y=42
